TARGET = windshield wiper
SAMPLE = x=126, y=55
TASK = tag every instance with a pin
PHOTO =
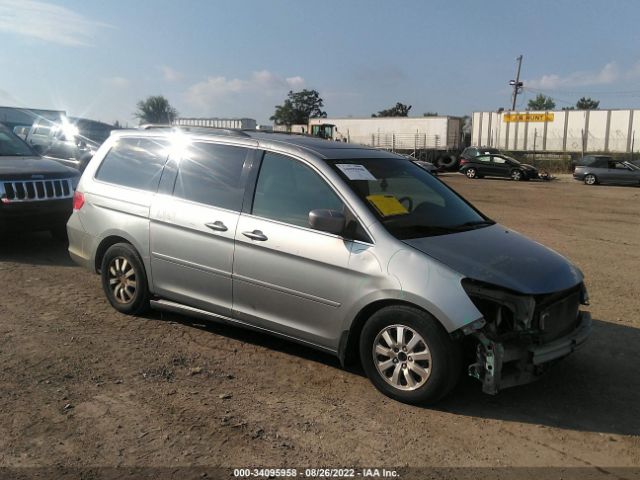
x=474, y=224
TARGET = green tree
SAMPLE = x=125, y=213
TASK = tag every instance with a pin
x=400, y=110
x=587, y=104
x=541, y=102
x=155, y=109
x=298, y=108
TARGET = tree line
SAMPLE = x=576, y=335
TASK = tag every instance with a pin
x=299, y=107
x=543, y=102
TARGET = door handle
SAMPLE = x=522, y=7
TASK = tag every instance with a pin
x=255, y=235
x=218, y=226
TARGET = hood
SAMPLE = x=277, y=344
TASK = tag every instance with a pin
x=526, y=166
x=23, y=168
x=502, y=257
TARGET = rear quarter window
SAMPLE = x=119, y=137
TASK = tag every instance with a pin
x=134, y=163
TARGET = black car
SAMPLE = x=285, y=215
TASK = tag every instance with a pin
x=497, y=166
x=36, y=193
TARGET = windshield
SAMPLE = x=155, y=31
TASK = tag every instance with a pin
x=408, y=200
x=12, y=145
x=511, y=159
x=634, y=166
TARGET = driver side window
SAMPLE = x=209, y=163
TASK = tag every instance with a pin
x=287, y=190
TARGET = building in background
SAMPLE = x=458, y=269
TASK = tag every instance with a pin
x=235, y=123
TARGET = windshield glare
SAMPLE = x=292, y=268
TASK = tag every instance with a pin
x=12, y=145
x=408, y=200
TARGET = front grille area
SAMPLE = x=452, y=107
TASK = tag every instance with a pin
x=557, y=317
x=35, y=190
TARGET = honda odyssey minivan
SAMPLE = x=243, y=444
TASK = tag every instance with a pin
x=347, y=249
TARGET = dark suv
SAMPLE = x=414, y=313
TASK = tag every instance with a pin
x=71, y=141
x=35, y=193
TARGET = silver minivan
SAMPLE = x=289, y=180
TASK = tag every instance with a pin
x=348, y=249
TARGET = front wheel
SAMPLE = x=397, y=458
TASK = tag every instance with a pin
x=516, y=175
x=471, y=173
x=590, y=179
x=408, y=356
x=124, y=280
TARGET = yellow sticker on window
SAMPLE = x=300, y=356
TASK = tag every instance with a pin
x=387, y=205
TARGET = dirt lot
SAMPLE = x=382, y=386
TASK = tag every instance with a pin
x=81, y=385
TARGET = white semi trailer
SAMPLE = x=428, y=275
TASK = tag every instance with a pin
x=437, y=138
x=569, y=133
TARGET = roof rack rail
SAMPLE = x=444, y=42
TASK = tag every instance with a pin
x=188, y=128
x=151, y=126
x=225, y=131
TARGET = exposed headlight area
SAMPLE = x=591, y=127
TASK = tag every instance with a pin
x=523, y=334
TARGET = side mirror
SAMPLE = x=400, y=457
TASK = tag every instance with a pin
x=330, y=221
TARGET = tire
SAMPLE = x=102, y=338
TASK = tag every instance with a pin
x=471, y=173
x=590, y=179
x=127, y=292
x=447, y=161
x=398, y=374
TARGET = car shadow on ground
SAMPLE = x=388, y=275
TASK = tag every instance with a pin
x=596, y=389
x=34, y=248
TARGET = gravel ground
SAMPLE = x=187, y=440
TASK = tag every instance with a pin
x=84, y=386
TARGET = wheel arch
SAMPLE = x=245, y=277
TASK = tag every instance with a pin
x=104, y=245
x=348, y=347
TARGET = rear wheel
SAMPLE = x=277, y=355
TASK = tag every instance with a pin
x=471, y=173
x=590, y=179
x=408, y=356
x=124, y=280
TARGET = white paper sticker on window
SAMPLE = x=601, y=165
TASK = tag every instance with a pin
x=355, y=172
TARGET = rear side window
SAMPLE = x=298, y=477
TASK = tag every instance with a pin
x=287, y=191
x=212, y=174
x=134, y=163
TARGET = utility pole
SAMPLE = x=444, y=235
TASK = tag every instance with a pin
x=516, y=84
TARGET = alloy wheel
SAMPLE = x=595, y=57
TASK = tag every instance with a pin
x=122, y=280
x=471, y=173
x=402, y=357
x=516, y=175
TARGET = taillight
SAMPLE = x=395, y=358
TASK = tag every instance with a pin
x=78, y=200
x=463, y=161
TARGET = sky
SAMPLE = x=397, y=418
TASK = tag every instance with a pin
x=239, y=58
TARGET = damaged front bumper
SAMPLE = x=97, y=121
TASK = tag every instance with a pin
x=501, y=365
x=520, y=335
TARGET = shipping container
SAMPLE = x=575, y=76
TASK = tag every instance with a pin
x=569, y=132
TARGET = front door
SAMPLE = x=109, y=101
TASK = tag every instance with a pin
x=193, y=225
x=289, y=278
x=500, y=166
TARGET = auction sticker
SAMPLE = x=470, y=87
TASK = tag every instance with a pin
x=355, y=172
x=387, y=205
